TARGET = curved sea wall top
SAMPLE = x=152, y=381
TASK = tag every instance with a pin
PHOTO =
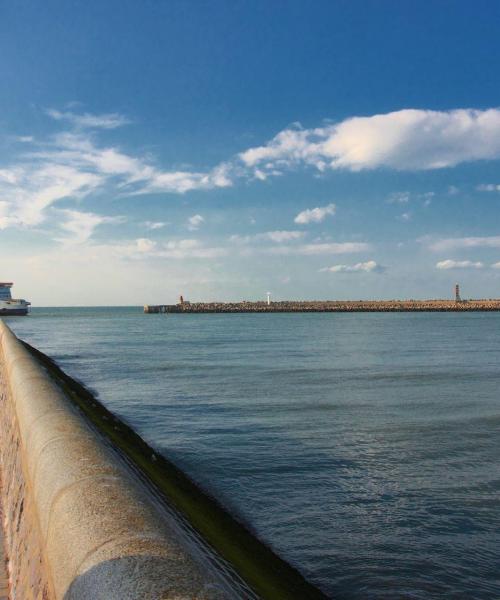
x=78, y=524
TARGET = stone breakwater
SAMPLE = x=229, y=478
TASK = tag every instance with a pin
x=328, y=306
x=90, y=511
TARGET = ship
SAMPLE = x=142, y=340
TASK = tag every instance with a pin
x=9, y=305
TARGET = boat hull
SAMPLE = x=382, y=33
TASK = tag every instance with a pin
x=10, y=306
x=13, y=312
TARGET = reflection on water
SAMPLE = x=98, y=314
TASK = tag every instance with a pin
x=363, y=447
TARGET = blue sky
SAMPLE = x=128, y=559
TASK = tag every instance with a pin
x=224, y=149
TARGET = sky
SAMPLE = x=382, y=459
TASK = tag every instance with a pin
x=224, y=149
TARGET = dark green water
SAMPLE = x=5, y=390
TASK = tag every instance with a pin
x=364, y=448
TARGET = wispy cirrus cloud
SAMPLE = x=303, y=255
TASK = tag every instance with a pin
x=72, y=165
x=88, y=120
x=488, y=187
x=399, y=198
x=462, y=242
x=289, y=243
x=406, y=197
x=31, y=189
x=176, y=249
x=278, y=237
x=315, y=215
x=133, y=175
x=79, y=226
x=191, y=248
x=458, y=264
x=317, y=248
x=369, y=266
x=154, y=225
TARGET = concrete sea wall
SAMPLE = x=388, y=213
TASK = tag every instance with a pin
x=78, y=524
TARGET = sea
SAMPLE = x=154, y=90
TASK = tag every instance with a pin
x=364, y=448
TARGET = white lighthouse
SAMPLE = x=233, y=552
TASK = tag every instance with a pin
x=269, y=298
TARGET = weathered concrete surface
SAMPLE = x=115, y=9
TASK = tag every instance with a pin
x=28, y=574
x=4, y=579
x=79, y=525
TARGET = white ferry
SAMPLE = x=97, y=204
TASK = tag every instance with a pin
x=9, y=305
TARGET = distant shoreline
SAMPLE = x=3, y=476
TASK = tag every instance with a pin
x=328, y=306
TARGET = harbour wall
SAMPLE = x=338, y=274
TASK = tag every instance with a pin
x=327, y=306
x=78, y=525
x=92, y=512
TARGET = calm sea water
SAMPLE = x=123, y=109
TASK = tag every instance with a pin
x=364, y=448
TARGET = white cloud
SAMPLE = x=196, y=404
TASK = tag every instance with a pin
x=290, y=145
x=488, y=187
x=9, y=176
x=90, y=121
x=321, y=248
x=132, y=175
x=399, y=198
x=315, y=215
x=72, y=164
x=129, y=174
x=464, y=242
x=430, y=195
x=189, y=248
x=362, y=267
x=277, y=237
x=180, y=182
x=458, y=264
x=36, y=187
x=409, y=139
x=284, y=236
x=81, y=225
x=405, y=217
x=183, y=249
x=195, y=222
x=155, y=224
x=406, y=197
x=144, y=245
x=260, y=175
x=281, y=239
x=144, y=248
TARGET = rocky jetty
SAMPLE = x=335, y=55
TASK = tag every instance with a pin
x=328, y=306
